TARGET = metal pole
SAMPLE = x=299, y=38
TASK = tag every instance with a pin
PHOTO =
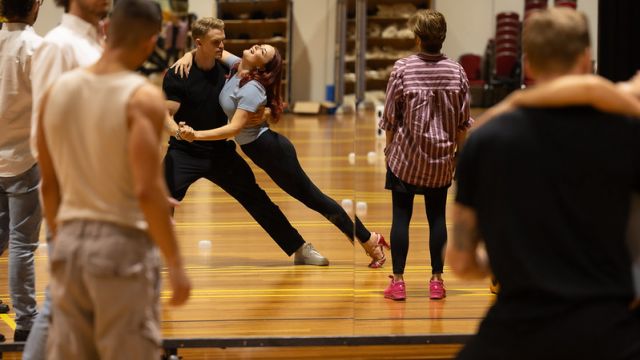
x=341, y=49
x=361, y=49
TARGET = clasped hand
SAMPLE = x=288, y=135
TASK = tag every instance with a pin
x=186, y=132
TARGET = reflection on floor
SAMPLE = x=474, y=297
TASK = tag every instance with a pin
x=245, y=286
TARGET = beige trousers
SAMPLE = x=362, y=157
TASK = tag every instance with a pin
x=105, y=293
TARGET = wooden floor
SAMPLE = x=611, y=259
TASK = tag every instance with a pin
x=245, y=286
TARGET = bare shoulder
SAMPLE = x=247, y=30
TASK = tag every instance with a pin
x=148, y=100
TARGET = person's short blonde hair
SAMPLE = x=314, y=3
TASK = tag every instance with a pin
x=553, y=39
x=202, y=26
x=431, y=28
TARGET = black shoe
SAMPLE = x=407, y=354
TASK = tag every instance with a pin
x=2, y=339
x=4, y=308
x=20, y=335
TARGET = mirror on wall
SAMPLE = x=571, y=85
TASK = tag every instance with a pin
x=245, y=284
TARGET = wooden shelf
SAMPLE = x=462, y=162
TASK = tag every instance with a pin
x=399, y=44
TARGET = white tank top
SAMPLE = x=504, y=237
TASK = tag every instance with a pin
x=86, y=132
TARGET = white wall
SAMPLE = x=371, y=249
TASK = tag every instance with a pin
x=48, y=17
x=470, y=23
x=203, y=8
x=313, y=48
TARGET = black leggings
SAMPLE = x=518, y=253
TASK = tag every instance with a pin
x=435, y=203
x=275, y=154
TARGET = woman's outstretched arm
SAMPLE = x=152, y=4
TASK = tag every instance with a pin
x=240, y=118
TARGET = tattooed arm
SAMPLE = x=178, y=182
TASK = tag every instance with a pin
x=465, y=253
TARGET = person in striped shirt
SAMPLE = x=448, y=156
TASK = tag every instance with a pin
x=426, y=118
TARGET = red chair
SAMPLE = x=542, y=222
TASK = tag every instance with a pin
x=505, y=63
x=508, y=31
x=508, y=41
x=472, y=65
x=501, y=39
x=531, y=5
x=507, y=47
x=537, y=4
x=507, y=22
x=565, y=3
x=508, y=15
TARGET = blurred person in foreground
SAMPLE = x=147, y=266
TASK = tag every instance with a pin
x=548, y=192
x=105, y=200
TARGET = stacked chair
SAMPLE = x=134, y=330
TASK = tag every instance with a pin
x=472, y=65
x=502, y=64
x=566, y=3
x=506, y=55
x=531, y=5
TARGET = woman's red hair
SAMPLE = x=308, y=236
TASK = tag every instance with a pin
x=270, y=77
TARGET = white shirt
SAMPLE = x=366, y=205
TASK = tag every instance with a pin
x=74, y=43
x=17, y=44
x=86, y=130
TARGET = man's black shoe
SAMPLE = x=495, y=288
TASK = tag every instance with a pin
x=4, y=308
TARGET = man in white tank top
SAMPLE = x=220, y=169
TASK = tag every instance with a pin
x=105, y=200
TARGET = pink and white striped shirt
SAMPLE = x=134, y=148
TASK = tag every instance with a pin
x=427, y=104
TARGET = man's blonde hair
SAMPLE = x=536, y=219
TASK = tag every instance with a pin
x=553, y=39
x=202, y=26
x=431, y=28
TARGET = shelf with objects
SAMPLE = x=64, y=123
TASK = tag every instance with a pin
x=259, y=22
x=388, y=39
x=350, y=49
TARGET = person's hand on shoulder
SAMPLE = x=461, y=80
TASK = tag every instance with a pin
x=632, y=86
x=183, y=65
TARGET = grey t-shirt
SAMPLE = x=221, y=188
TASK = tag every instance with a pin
x=250, y=97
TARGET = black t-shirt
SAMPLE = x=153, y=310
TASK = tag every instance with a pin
x=199, y=105
x=551, y=188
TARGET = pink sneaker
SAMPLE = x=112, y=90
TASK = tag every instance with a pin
x=437, y=290
x=395, y=290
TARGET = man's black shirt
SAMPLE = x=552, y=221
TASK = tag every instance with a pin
x=199, y=105
x=551, y=188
